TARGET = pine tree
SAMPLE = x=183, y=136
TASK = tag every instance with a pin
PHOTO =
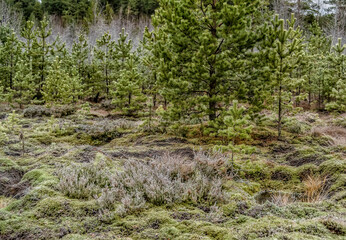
x=338, y=76
x=198, y=48
x=236, y=127
x=127, y=94
x=109, y=13
x=80, y=54
x=237, y=124
x=147, y=69
x=318, y=49
x=60, y=87
x=122, y=51
x=9, y=56
x=42, y=54
x=104, y=64
x=282, y=49
x=24, y=83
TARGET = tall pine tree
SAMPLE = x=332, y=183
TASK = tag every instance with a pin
x=198, y=47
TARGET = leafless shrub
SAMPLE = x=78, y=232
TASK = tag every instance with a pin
x=162, y=180
x=9, y=17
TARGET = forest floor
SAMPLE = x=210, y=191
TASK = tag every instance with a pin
x=54, y=175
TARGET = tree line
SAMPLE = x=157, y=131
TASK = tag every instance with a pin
x=329, y=13
x=201, y=59
x=81, y=10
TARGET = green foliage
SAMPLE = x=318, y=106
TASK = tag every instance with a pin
x=282, y=50
x=61, y=87
x=338, y=75
x=79, y=58
x=318, y=49
x=43, y=49
x=127, y=94
x=198, y=49
x=10, y=52
x=104, y=65
x=237, y=124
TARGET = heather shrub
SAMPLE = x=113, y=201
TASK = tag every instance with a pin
x=42, y=111
x=101, y=131
x=163, y=180
x=82, y=181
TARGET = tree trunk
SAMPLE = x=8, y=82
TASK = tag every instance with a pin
x=279, y=113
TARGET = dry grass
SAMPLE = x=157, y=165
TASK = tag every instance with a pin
x=282, y=199
x=314, y=188
x=4, y=202
x=336, y=134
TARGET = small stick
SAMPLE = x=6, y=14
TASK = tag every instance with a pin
x=21, y=137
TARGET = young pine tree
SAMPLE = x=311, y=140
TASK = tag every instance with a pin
x=318, y=48
x=24, y=83
x=338, y=76
x=127, y=94
x=236, y=128
x=282, y=50
x=10, y=53
x=122, y=51
x=80, y=54
x=42, y=54
x=104, y=65
x=237, y=125
x=61, y=87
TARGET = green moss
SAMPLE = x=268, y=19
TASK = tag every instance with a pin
x=52, y=207
x=44, y=138
x=59, y=206
x=75, y=237
x=312, y=227
x=335, y=225
x=264, y=227
x=283, y=173
x=230, y=209
x=305, y=170
x=215, y=232
x=257, y=170
x=6, y=163
x=339, y=184
x=38, y=176
x=304, y=210
x=333, y=167
x=169, y=232
x=30, y=200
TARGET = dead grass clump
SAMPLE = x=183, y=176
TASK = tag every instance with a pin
x=4, y=202
x=336, y=134
x=314, y=188
x=282, y=199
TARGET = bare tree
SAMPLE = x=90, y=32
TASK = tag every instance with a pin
x=9, y=17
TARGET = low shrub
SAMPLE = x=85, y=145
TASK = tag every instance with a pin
x=163, y=180
x=42, y=111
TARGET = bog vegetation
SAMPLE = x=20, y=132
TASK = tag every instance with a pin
x=218, y=120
